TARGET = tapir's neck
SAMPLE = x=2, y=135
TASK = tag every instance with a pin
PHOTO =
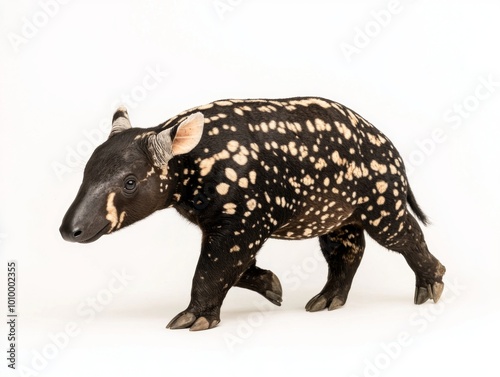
x=179, y=181
x=184, y=186
x=172, y=183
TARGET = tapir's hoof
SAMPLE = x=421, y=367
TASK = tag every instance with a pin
x=275, y=294
x=274, y=298
x=434, y=291
x=189, y=320
x=320, y=302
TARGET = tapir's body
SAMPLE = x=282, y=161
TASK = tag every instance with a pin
x=249, y=170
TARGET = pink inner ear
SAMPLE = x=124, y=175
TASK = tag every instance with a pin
x=188, y=134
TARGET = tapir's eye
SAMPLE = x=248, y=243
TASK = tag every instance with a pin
x=130, y=185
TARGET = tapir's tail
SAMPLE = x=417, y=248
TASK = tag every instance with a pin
x=410, y=198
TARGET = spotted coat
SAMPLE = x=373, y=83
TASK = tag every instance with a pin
x=245, y=171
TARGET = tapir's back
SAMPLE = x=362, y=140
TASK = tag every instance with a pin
x=306, y=129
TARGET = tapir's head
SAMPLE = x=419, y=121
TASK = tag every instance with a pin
x=127, y=177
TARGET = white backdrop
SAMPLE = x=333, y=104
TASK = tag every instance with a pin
x=426, y=73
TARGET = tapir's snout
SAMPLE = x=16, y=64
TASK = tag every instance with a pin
x=73, y=230
x=82, y=223
x=70, y=233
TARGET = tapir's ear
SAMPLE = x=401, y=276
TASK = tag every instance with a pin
x=120, y=121
x=187, y=136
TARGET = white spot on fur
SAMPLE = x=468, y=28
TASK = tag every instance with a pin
x=224, y=103
x=231, y=174
x=307, y=180
x=112, y=215
x=398, y=204
x=229, y=208
x=243, y=182
x=240, y=158
x=222, y=188
x=344, y=130
x=381, y=186
x=253, y=177
x=207, y=163
x=374, y=139
x=320, y=164
x=376, y=166
x=337, y=159
x=251, y=204
x=310, y=101
x=234, y=249
x=268, y=199
x=307, y=232
x=232, y=146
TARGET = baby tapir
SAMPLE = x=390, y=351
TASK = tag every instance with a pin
x=245, y=171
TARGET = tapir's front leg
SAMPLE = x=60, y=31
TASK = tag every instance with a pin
x=224, y=258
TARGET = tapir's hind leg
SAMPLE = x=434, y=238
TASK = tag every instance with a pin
x=262, y=281
x=404, y=235
x=343, y=250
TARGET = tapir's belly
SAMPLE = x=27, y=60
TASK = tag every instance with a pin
x=314, y=222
